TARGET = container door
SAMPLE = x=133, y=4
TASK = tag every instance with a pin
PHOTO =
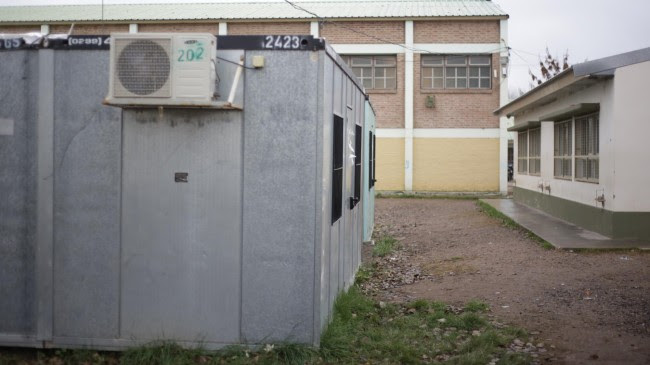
x=181, y=226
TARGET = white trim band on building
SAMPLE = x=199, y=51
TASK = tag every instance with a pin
x=452, y=48
x=503, y=121
x=408, y=106
x=487, y=133
x=463, y=48
x=314, y=29
x=223, y=28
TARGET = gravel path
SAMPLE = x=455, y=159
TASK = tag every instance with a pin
x=587, y=308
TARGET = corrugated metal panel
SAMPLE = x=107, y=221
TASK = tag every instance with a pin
x=605, y=66
x=251, y=11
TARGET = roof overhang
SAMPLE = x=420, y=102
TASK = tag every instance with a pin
x=573, y=79
x=557, y=116
x=524, y=126
x=569, y=111
x=564, y=83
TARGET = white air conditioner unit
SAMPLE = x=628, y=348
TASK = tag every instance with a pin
x=162, y=69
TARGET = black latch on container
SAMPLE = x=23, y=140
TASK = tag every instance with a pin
x=180, y=177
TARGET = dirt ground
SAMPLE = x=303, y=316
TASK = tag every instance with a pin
x=587, y=308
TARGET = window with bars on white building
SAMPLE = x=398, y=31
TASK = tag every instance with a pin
x=534, y=151
x=587, y=149
x=522, y=152
x=563, y=150
x=455, y=72
x=374, y=72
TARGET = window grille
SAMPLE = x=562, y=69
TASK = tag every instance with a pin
x=522, y=152
x=337, y=169
x=563, y=150
x=455, y=72
x=534, y=149
x=479, y=72
x=587, y=149
x=433, y=73
x=374, y=72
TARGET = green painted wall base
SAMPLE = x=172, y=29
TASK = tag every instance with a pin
x=629, y=225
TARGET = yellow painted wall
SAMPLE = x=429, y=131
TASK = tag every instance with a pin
x=455, y=164
x=390, y=164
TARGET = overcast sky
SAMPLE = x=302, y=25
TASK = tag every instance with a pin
x=588, y=29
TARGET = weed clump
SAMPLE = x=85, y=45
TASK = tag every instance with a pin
x=384, y=246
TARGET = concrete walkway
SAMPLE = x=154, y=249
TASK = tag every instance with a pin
x=559, y=233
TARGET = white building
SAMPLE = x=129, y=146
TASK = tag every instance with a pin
x=581, y=152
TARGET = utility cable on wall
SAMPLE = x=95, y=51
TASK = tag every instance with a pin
x=338, y=24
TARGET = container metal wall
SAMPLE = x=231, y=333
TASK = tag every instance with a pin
x=180, y=257
x=279, y=200
x=87, y=164
x=18, y=144
x=244, y=252
x=368, y=193
x=327, y=290
x=336, y=229
x=348, y=183
x=341, y=241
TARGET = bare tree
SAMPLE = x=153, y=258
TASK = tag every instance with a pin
x=549, y=67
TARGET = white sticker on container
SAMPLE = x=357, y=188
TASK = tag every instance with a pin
x=6, y=127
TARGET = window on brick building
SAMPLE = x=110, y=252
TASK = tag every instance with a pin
x=374, y=72
x=455, y=72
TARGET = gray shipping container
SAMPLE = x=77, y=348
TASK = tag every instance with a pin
x=100, y=245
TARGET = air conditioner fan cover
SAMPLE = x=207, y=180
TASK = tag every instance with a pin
x=143, y=67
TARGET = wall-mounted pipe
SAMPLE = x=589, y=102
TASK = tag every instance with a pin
x=233, y=89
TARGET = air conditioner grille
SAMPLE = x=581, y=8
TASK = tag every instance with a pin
x=143, y=68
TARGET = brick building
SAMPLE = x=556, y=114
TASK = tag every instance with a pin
x=433, y=69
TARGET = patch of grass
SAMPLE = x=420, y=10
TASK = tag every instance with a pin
x=542, y=242
x=162, y=353
x=291, y=354
x=490, y=211
x=476, y=306
x=169, y=353
x=26, y=356
x=384, y=246
x=362, y=331
x=609, y=250
x=508, y=222
x=515, y=359
x=364, y=274
x=84, y=356
x=466, y=321
x=417, y=332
